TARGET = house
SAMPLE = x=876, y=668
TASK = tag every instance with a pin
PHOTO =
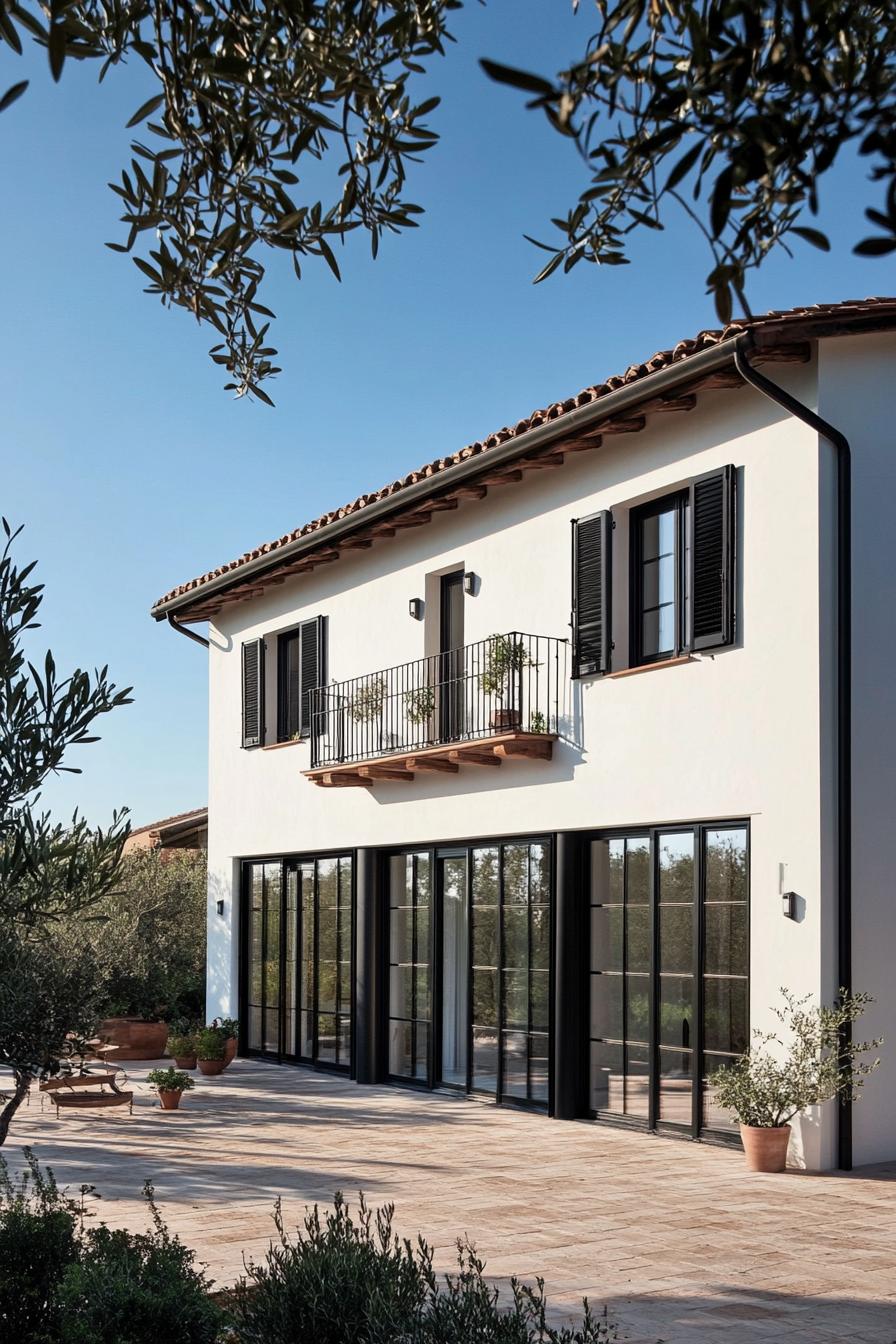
x=186, y=830
x=535, y=774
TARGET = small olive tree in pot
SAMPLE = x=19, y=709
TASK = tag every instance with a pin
x=778, y=1078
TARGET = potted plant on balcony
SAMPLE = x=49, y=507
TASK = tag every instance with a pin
x=420, y=705
x=182, y=1048
x=170, y=1084
x=230, y=1029
x=504, y=659
x=210, y=1051
x=778, y=1078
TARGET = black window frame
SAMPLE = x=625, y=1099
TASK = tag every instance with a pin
x=696, y=1129
x=680, y=501
x=294, y=715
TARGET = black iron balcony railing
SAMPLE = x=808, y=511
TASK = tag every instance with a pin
x=504, y=684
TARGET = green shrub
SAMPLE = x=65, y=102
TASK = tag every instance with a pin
x=210, y=1043
x=169, y=1080
x=39, y=1238
x=182, y=1046
x=228, y=1026
x=352, y=1281
x=136, y=1288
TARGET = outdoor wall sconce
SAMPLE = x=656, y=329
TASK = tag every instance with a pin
x=415, y=608
x=220, y=905
x=788, y=904
x=470, y=583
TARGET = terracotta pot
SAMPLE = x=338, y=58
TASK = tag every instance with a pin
x=135, y=1038
x=169, y=1098
x=765, y=1149
x=506, y=720
x=229, y=1050
x=211, y=1067
x=185, y=1061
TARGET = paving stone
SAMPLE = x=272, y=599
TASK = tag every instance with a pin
x=678, y=1240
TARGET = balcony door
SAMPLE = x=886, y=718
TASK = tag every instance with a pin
x=451, y=656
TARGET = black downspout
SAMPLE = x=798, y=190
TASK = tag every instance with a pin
x=182, y=630
x=844, y=690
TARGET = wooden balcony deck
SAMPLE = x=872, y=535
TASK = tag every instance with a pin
x=444, y=758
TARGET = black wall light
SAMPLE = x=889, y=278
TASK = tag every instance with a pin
x=788, y=904
x=470, y=583
x=220, y=905
x=415, y=608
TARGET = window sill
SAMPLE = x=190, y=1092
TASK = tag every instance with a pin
x=651, y=667
x=293, y=742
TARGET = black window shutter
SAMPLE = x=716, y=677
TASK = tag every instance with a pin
x=712, y=559
x=253, y=693
x=592, y=554
x=312, y=666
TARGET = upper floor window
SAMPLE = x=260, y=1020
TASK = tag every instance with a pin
x=299, y=668
x=681, y=577
x=660, y=578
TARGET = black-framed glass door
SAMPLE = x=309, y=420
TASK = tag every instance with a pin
x=451, y=656
x=297, y=959
x=481, y=913
x=669, y=978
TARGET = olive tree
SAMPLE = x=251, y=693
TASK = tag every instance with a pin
x=50, y=873
x=287, y=125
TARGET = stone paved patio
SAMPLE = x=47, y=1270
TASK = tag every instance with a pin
x=677, y=1239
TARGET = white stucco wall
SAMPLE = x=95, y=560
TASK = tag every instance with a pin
x=857, y=395
x=732, y=735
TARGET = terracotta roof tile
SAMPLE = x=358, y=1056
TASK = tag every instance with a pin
x=853, y=310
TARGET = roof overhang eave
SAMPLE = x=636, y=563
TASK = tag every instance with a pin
x=611, y=404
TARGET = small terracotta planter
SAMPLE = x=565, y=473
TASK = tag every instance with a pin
x=506, y=720
x=169, y=1099
x=765, y=1149
x=185, y=1061
x=229, y=1051
x=211, y=1067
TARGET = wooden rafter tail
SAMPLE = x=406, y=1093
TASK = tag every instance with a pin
x=508, y=477
x=546, y=460
x=471, y=492
x=631, y=424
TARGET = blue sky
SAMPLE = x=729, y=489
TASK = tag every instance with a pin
x=132, y=469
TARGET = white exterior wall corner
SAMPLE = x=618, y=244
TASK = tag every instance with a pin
x=858, y=396
x=735, y=735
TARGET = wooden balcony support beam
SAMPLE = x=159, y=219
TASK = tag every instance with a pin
x=468, y=757
x=435, y=763
x=538, y=748
x=370, y=772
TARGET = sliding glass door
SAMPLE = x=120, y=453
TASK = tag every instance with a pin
x=669, y=972
x=469, y=973
x=297, y=975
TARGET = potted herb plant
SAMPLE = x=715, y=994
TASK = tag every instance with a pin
x=182, y=1048
x=778, y=1078
x=170, y=1084
x=210, y=1050
x=505, y=657
x=230, y=1029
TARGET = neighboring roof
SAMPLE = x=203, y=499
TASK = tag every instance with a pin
x=778, y=327
x=181, y=820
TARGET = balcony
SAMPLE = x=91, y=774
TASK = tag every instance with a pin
x=479, y=705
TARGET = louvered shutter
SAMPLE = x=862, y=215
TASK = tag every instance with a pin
x=591, y=580
x=253, y=693
x=312, y=669
x=712, y=559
